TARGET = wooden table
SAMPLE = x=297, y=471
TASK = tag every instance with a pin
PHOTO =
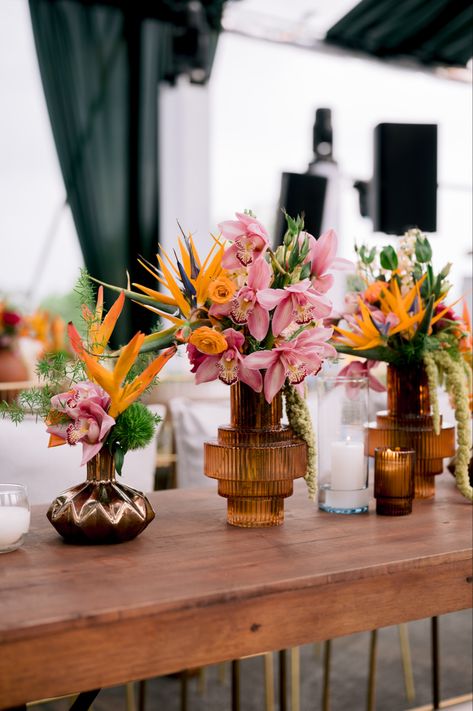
x=192, y=591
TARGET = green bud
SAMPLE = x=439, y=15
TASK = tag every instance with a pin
x=423, y=250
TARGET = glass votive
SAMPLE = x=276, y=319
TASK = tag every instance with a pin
x=342, y=416
x=14, y=516
x=394, y=480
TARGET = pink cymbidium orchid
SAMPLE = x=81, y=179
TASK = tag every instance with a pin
x=246, y=306
x=294, y=360
x=229, y=366
x=322, y=257
x=360, y=369
x=85, y=406
x=296, y=302
x=250, y=241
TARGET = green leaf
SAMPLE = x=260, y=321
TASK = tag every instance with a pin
x=425, y=323
x=423, y=250
x=388, y=258
x=140, y=298
x=119, y=457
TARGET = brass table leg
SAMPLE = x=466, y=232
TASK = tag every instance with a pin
x=326, y=686
x=406, y=662
x=269, y=681
x=130, y=696
x=371, y=702
x=184, y=690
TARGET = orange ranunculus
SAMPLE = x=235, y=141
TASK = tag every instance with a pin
x=373, y=291
x=208, y=341
x=221, y=290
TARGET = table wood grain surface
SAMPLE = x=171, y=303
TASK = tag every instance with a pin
x=192, y=590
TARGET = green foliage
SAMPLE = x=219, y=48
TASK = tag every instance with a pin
x=134, y=428
x=388, y=258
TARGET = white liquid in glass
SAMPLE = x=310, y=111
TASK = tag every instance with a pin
x=14, y=522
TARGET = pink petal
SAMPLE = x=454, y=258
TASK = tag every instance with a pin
x=89, y=451
x=207, y=370
x=282, y=316
x=258, y=322
x=261, y=359
x=342, y=264
x=323, y=252
x=323, y=284
x=269, y=298
x=300, y=286
x=274, y=380
x=250, y=377
x=231, y=229
x=229, y=260
x=259, y=275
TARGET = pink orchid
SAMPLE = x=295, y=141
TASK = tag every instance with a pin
x=296, y=302
x=229, y=366
x=246, y=306
x=360, y=369
x=294, y=360
x=85, y=405
x=322, y=257
x=250, y=241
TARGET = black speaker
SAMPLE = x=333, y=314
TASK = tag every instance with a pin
x=301, y=193
x=403, y=192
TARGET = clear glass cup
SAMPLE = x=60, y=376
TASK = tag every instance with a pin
x=14, y=516
x=342, y=418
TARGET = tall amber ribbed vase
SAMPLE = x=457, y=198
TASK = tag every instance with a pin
x=408, y=422
x=100, y=510
x=255, y=459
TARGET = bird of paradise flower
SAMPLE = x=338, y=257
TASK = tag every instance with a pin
x=187, y=280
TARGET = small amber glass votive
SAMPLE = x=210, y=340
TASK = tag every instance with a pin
x=394, y=480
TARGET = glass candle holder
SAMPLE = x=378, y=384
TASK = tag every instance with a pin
x=342, y=417
x=394, y=480
x=14, y=516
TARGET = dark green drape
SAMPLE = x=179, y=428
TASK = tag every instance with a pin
x=429, y=31
x=101, y=65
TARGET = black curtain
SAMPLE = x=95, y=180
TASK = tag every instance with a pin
x=101, y=64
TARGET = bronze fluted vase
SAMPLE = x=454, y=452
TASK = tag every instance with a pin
x=408, y=423
x=255, y=459
x=100, y=510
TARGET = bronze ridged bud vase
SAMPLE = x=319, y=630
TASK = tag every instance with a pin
x=100, y=510
x=255, y=459
x=408, y=423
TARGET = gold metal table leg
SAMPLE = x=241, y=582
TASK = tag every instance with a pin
x=371, y=701
x=269, y=681
x=295, y=679
x=406, y=662
x=326, y=686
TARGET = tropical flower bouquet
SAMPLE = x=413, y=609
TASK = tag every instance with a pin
x=100, y=410
x=398, y=313
x=249, y=314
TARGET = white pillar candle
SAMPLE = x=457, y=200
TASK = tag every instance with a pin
x=14, y=522
x=348, y=469
x=347, y=499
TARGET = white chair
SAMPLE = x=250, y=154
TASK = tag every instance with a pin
x=26, y=459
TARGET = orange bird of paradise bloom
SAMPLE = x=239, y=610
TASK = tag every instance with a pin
x=112, y=381
x=194, y=275
x=368, y=334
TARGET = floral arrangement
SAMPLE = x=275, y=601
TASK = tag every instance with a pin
x=248, y=313
x=398, y=314
x=93, y=399
x=10, y=324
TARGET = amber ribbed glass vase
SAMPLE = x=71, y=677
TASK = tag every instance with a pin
x=408, y=423
x=100, y=510
x=255, y=459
